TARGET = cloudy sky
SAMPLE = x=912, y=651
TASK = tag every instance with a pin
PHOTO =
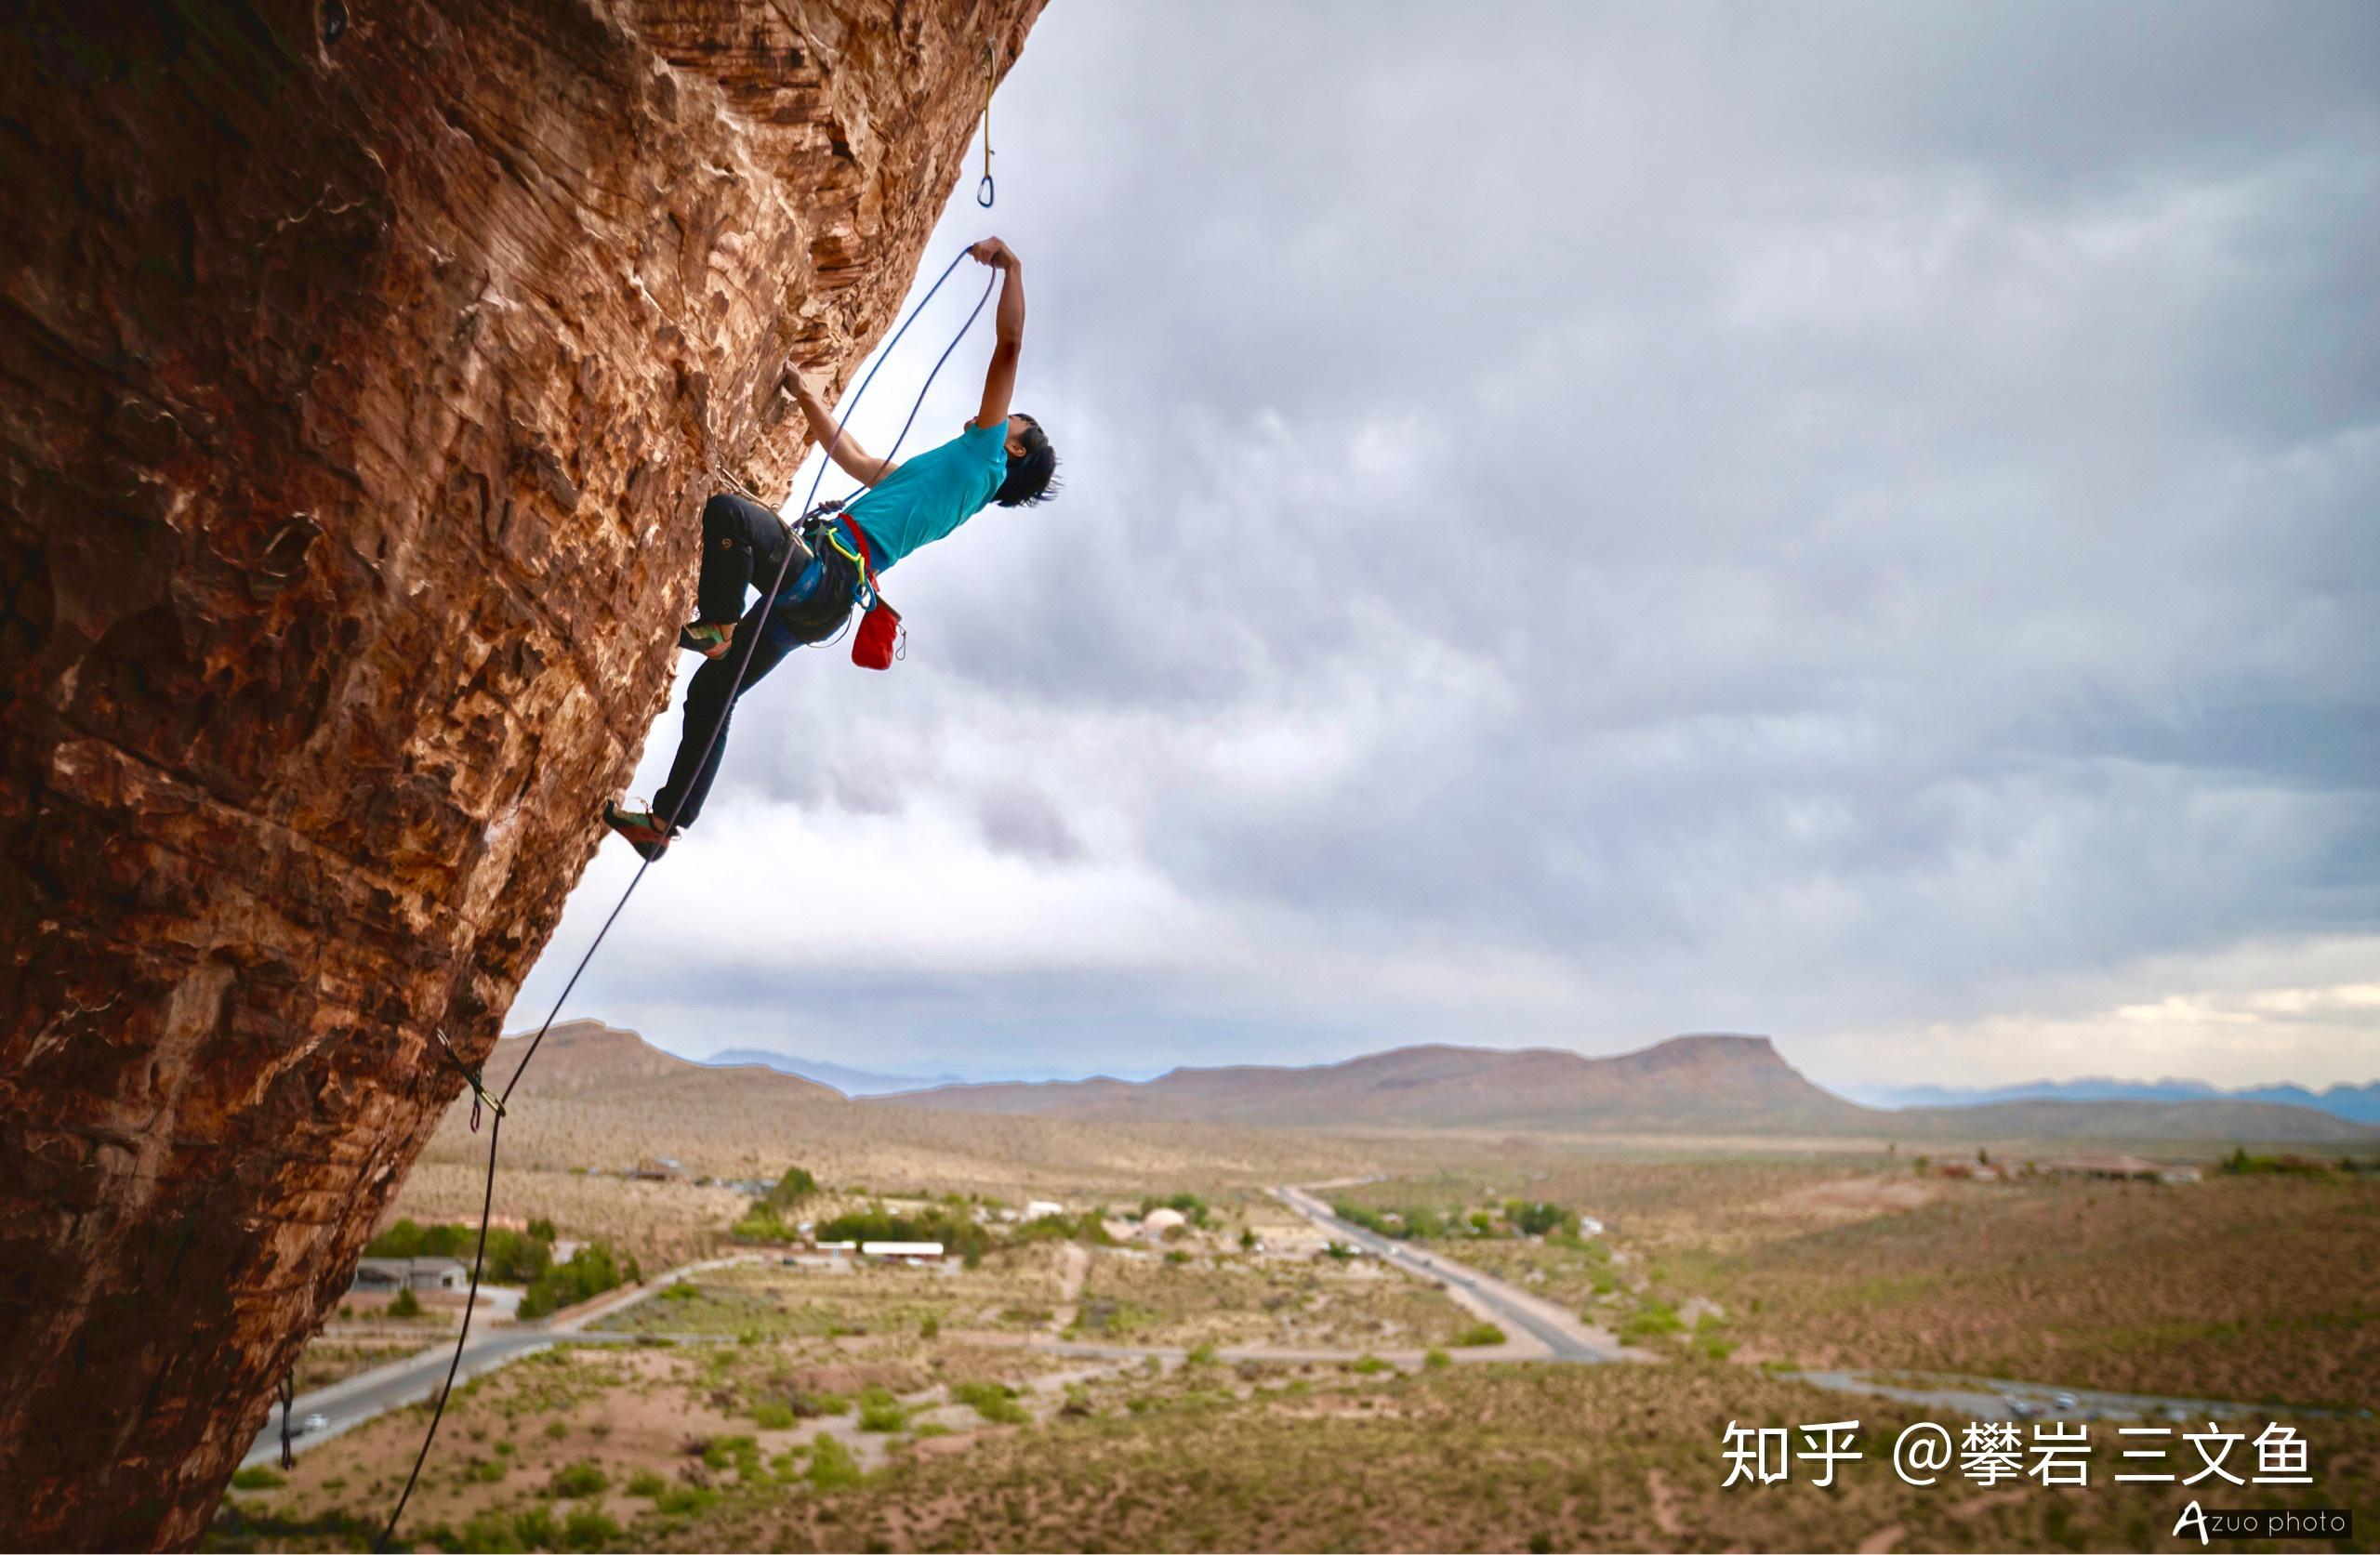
x=1860, y=524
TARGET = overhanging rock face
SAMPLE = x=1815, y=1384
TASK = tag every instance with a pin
x=366, y=364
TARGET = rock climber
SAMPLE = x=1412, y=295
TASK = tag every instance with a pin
x=1001, y=457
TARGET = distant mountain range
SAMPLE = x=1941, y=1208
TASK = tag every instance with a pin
x=1712, y=1084
x=2356, y=1103
x=850, y=1081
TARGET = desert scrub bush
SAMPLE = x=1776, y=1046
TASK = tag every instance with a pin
x=407, y=1305
x=255, y=1476
x=486, y=1471
x=772, y=1416
x=684, y=1500
x=586, y=1528
x=744, y=1452
x=1653, y=1319
x=584, y=1478
x=992, y=1401
x=1368, y=1366
x=879, y=1410
x=1479, y=1335
x=1201, y=1355
x=647, y=1484
x=832, y=1466
x=679, y=1290
x=1437, y=1359
x=557, y=1430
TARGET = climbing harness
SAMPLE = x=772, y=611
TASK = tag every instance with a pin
x=495, y=1103
x=984, y=191
x=288, y=1399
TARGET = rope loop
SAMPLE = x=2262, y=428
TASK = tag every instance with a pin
x=288, y=1399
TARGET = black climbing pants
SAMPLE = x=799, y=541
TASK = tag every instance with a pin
x=709, y=706
x=773, y=627
x=743, y=542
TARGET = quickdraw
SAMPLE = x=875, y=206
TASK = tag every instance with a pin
x=481, y=1095
x=288, y=1401
x=984, y=191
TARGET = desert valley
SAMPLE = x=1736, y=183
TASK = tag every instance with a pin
x=1245, y=1308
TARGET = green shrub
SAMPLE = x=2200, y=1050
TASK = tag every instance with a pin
x=1480, y=1334
x=406, y=1304
x=992, y=1401
x=1202, y=1354
x=512, y=1256
x=491, y=1531
x=557, y=1430
x=647, y=1484
x=930, y=1329
x=255, y=1476
x=590, y=1271
x=583, y=1477
x=1653, y=1319
x=536, y=1530
x=738, y=1450
x=586, y=1528
x=1368, y=1366
x=1436, y=1360
x=832, y=1466
x=684, y=1500
x=1540, y=1218
x=772, y=1416
x=486, y=1471
x=879, y=1410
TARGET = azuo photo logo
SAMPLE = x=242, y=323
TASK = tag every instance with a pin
x=2291, y=1522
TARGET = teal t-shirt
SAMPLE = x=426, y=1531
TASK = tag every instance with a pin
x=933, y=494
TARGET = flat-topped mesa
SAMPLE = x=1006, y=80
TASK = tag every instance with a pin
x=367, y=368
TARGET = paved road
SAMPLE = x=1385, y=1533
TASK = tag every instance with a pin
x=1985, y=1397
x=1562, y=1340
x=352, y=1400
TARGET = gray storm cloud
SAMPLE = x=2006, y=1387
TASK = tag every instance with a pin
x=1583, y=523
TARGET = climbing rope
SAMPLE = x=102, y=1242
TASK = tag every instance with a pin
x=495, y=1103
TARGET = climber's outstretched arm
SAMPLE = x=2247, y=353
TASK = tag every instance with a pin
x=849, y=457
x=999, y=379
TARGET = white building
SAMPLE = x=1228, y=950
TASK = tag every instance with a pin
x=1159, y=1221
x=420, y=1273
x=1041, y=1209
x=903, y=1252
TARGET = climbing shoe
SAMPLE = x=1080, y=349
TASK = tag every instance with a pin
x=707, y=638
x=644, y=829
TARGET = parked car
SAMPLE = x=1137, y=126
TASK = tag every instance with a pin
x=316, y=1421
x=2067, y=1400
x=2023, y=1409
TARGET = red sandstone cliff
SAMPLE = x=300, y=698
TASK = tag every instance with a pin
x=366, y=363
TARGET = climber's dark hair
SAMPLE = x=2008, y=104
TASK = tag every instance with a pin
x=1032, y=475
